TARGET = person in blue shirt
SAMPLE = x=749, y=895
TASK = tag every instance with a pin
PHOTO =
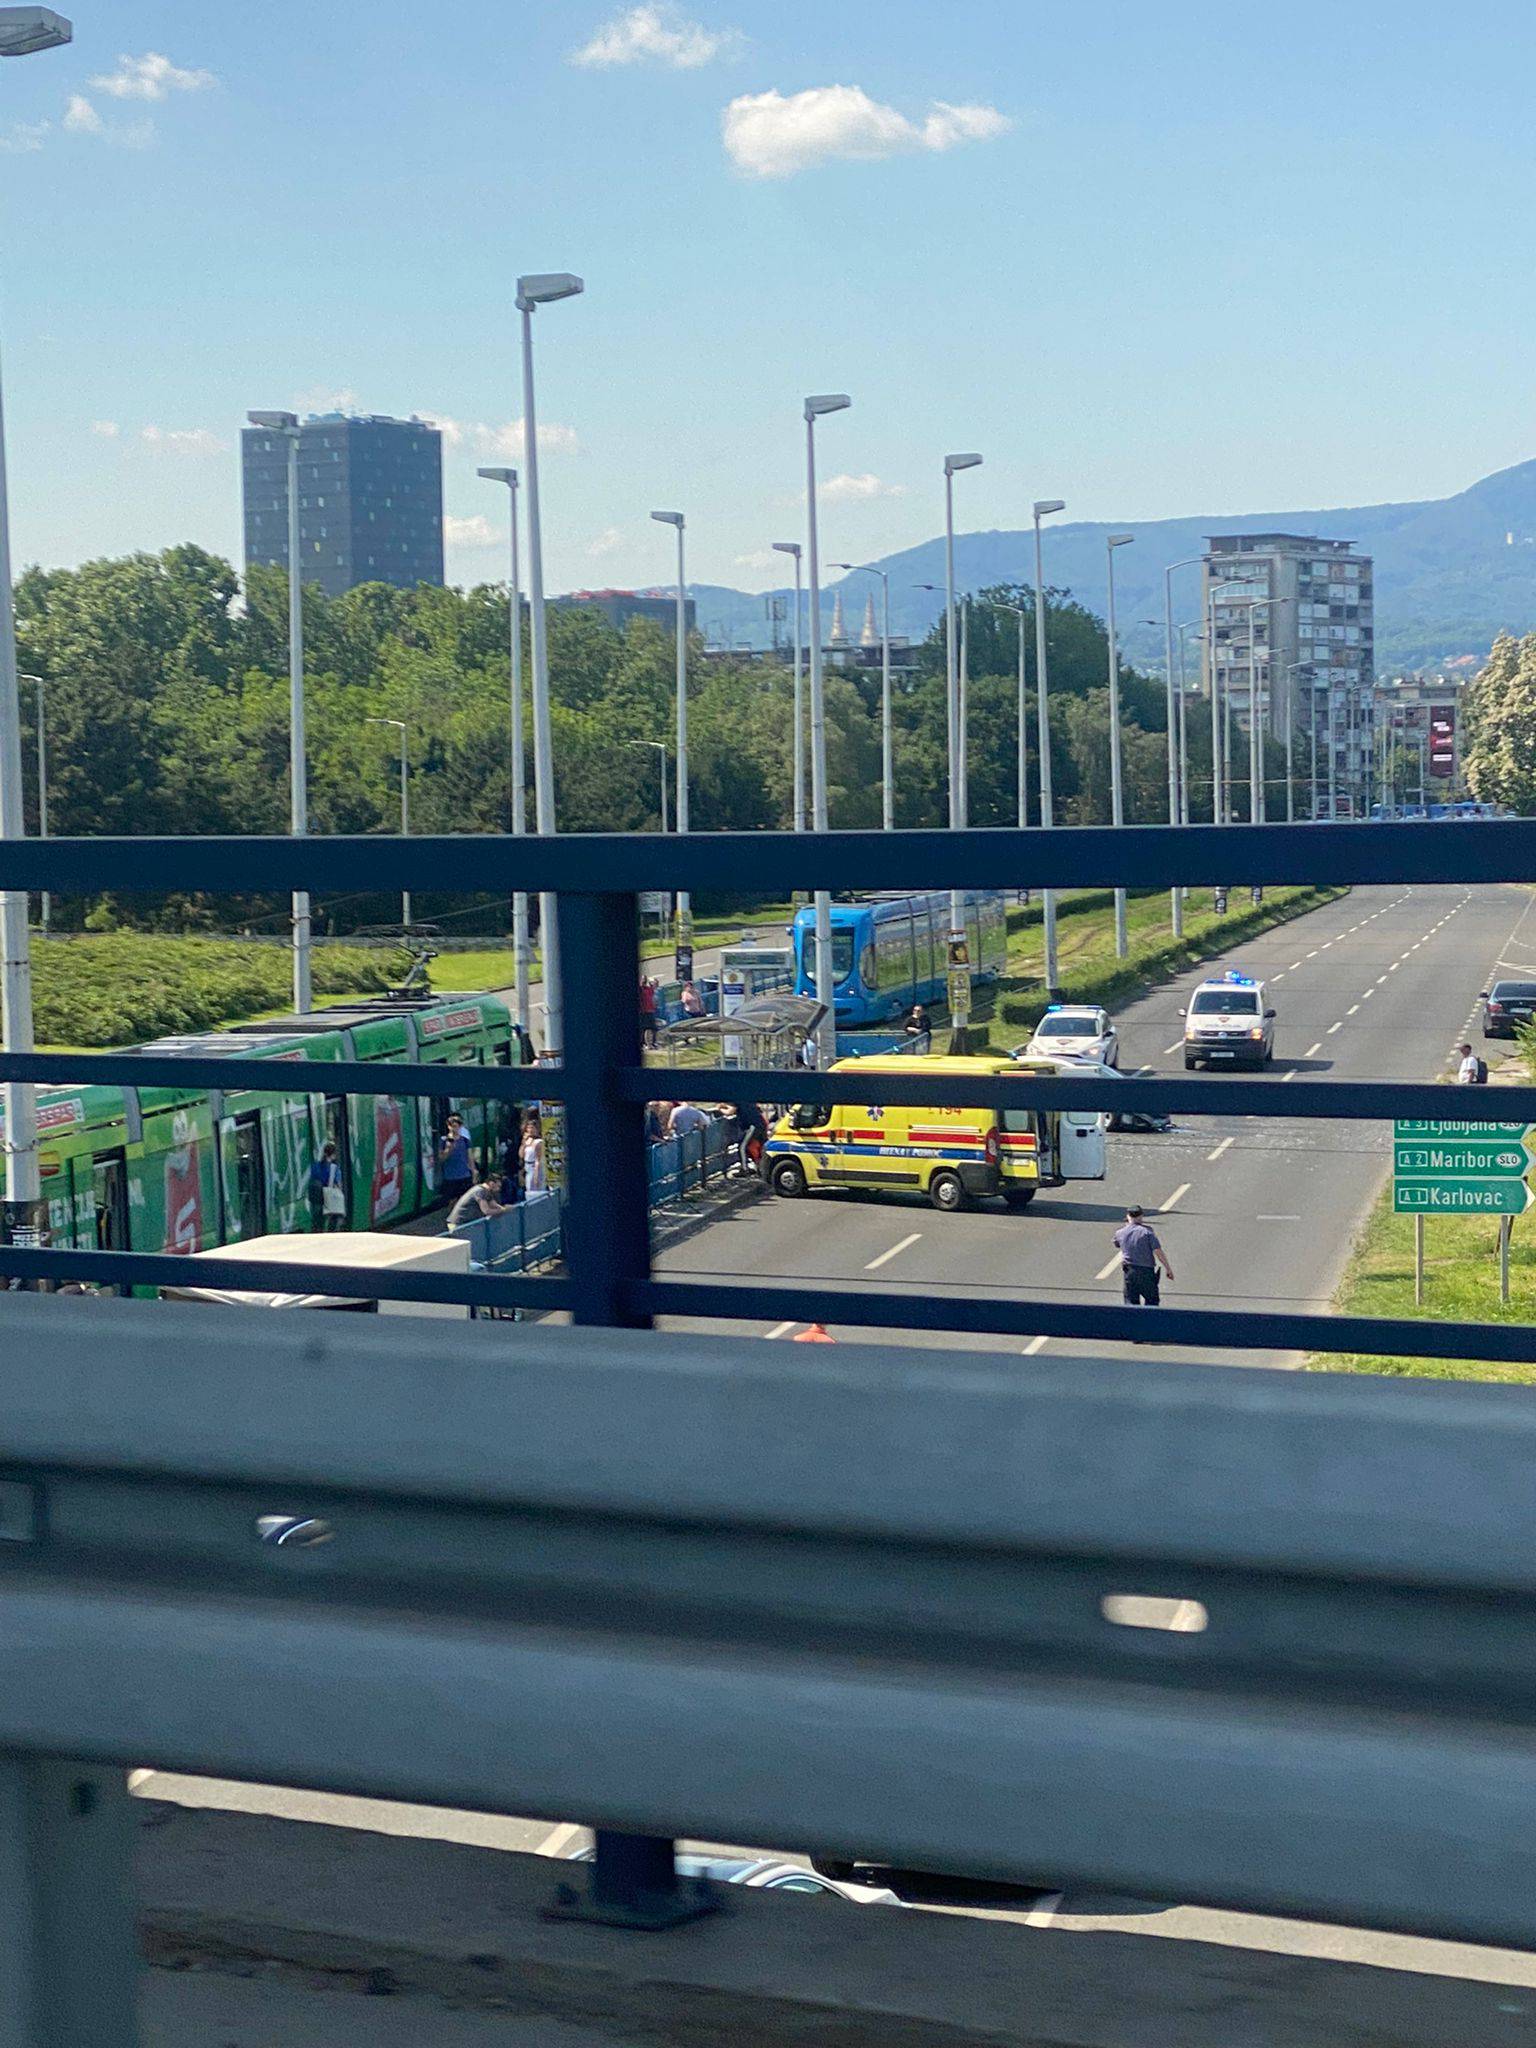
x=453, y=1159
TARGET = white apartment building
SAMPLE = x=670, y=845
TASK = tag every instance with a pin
x=1291, y=624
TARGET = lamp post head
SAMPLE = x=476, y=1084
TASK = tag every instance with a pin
x=275, y=422
x=544, y=287
x=26, y=30
x=1045, y=506
x=669, y=519
x=788, y=547
x=498, y=476
x=954, y=462
x=1119, y=540
x=827, y=401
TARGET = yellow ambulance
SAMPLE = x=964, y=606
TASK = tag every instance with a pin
x=953, y=1156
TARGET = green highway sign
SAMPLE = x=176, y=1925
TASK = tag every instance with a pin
x=1405, y=1132
x=1495, y=1159
x=1460, y=1196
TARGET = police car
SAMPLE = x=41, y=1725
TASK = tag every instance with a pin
x=1078, y=1030
x=1229, y=1023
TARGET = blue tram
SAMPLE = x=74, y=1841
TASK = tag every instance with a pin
x=890, y=952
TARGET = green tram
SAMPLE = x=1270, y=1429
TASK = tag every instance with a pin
x=186, y=1169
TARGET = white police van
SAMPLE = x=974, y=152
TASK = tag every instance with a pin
x=1229, y=1023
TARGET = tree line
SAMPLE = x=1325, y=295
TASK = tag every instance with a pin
x=166, y=693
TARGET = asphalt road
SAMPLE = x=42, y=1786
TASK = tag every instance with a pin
x=1254, y=1212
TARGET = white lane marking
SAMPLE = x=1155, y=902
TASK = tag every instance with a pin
x=1039, y=1343
x=781, y=1329
x=873, y=1265
x=1312, y=1049
x=1222, y=1147
x=1107, y=1268
x=559, y=1839
x=1177, y=1196
x=1352, y=1009
x=1044, y=1911
x=1335, y=1027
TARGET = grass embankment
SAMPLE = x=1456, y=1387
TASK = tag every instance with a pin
x=1089, y=970
x=119, y=988
x=1461, y=1284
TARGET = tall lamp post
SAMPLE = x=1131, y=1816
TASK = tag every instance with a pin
x=46, y=906
x=542, y=290
x=1178, y=805
x=684, y=950
x=793, y=547
x=960, y=976
x=23, y=31
x=1018, y=611
x=400, y=727
x=286, y=426
x=520, y=946
x=816, y=407
x=887, y=752
x=1043, y=509
x=1116, y=762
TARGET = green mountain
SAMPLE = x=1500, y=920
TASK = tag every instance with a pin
x=1450, y=572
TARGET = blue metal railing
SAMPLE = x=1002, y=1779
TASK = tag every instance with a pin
x=605, y=1088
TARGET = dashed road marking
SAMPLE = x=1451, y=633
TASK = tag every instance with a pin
x=873, y=1265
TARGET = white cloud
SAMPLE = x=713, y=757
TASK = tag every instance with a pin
x=24, y=138
x=81, y=118
x=107, y=430
x=852, y=490
x=771, y=135
x=151, y=77
x=474, y=532
x=504, y=442
x=656, y=34
x=608, y=542
x=197, y=441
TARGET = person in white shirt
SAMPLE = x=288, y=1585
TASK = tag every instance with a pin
x=1471, y=1071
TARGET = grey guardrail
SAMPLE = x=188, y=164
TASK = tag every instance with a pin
x=846, y=1601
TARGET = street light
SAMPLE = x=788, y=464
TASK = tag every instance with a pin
x=1043, y=509
x=999, y=605
x=887, y=782
x=520, y=946
x=1178, y=806
x=816, y=408
x=960, y=1018
x=684, y=951
x=792, y=547
x=1116, y=765
x=23, y=30
x=286, y=426
x=542, y=289
x=46, y=906
x=405, y=802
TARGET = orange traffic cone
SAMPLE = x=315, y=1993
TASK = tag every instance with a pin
x=815, y=1334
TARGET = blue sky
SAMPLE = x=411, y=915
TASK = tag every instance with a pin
x=1151, y=259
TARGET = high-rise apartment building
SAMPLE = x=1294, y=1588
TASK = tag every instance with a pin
x=370, y=501
x=1291, y=620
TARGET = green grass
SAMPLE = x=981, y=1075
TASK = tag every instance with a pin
x=1461, y=1284
x=1089, y=970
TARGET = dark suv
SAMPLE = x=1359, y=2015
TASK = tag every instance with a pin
x=1507, y=1005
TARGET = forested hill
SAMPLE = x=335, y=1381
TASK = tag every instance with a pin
x=1451, y=573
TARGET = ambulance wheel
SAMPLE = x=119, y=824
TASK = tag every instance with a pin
x=788, y=1179
x=946, y=1191
x=1019, y=1198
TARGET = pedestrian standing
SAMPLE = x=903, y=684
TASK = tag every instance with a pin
x=326, y=1193
x=534, y=1181
x=1141, y=1254
x=453, y=1159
